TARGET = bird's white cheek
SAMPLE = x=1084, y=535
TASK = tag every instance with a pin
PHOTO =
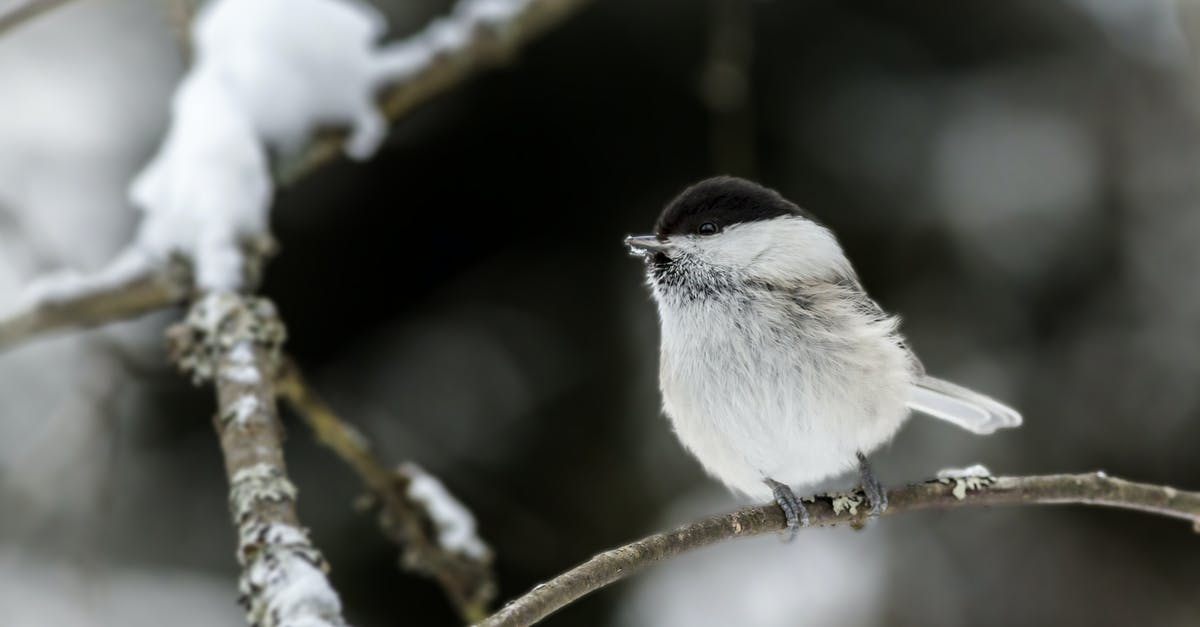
x=733, y=252
x=779, y=251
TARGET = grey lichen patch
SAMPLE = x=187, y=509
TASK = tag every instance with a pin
x=256, y=536
x=224, y=327
x=240, y=411
x=257, y=484
x=845, y=502
x=962, y=485
x=973, y=477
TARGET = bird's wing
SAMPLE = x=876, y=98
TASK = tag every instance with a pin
x=955, y=404
x=958, y=405
x=866, y=306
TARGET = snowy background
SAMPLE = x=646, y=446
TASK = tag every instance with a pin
x=1019, y=180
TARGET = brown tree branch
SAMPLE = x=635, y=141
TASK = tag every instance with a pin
x=829, y=510
x=24, y=11
x=488, y=42
x=467, y=579
x=179, y=16
x=100, y=302
x=234, y=341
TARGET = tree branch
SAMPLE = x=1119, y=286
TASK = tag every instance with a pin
x=466, y=577
x=25, y=11
x=234, y=341
x=97, y=300
x=488, y=42
x=830, y=510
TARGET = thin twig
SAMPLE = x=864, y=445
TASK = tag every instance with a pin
x=179, y=17
x=104, y=301
x=25, y=11
x=468, y=580
x=829, y=510
x=234, y=341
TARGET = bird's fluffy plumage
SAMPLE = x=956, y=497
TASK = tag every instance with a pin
x=774, y=361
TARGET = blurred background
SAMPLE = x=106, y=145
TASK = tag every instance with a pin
x=1017, y=180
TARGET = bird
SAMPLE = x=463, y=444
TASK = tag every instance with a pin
x=776, y=368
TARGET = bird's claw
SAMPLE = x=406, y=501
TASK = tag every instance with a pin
x=794, y=511
x=871, y=487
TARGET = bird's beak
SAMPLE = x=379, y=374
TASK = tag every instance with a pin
x=642, y=245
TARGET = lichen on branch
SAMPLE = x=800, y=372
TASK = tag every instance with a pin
x=234, y=342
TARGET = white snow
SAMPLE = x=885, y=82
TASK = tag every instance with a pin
x=241, y=410
x=246, y=375
x=283, y=579
x=242, y=353
x=449, y=34
x=267, y=74
x=974, y=470
x=208, y=187
x=295, y=65
x=973, y=477
x=454, y=522
x=298, y=593
x=291, y=586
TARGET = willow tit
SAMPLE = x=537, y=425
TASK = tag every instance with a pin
x=777, y=369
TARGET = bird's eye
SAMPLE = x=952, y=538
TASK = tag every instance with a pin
x=708, y=228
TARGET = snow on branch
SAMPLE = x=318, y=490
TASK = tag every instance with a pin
x=234, y=342
x=477, y=34
x=843, y=509
x=268, y=75
x=435, y=531
x=451, y=519
x=66, y=300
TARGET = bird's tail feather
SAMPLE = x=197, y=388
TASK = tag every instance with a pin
x=957, y=405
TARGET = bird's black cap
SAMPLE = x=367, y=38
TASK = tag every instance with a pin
x=723, y=201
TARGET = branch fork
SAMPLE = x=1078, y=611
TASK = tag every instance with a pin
x=464, y=571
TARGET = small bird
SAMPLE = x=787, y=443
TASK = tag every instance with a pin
x=776, y=368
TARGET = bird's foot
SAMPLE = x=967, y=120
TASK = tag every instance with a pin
x=793, y=510
x=871, y=487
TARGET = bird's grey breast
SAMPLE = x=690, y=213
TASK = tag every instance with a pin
x=726, y=354
x=761, y=350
